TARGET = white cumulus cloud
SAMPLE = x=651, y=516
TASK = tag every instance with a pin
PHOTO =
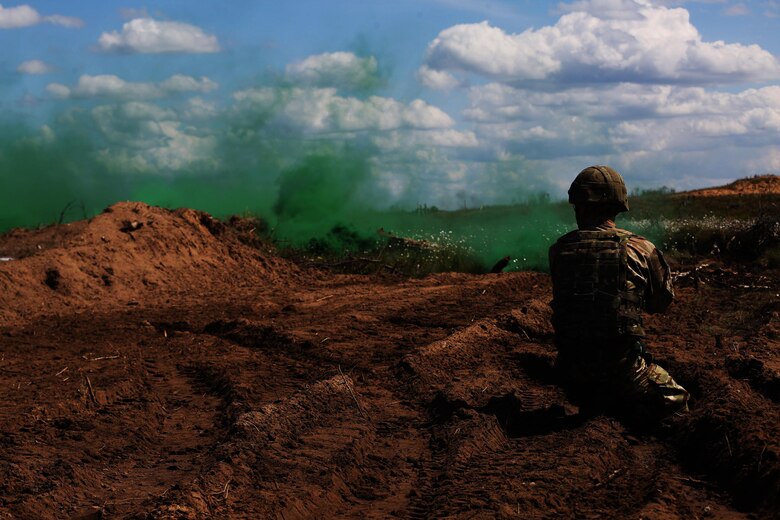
x=447, y=138
x=501, y=103
x=488, y=50
x=436, y=79
x=322, y=110
x=64, y=21
x=114, y=87
x=335, y=69
x=150, y=36
x=602, y=41
x=35, y=67
x=145, y=137
x=20, y=16
x=199, y=109
x=25, y=16
x=626, y=119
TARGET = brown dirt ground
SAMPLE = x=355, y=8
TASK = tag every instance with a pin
x=175, y=369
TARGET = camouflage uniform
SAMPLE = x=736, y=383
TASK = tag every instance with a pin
x=603, y=279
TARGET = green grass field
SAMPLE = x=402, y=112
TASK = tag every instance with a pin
x=472, y=240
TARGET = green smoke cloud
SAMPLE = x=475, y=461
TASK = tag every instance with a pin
x=43, y=175
x=306, y=159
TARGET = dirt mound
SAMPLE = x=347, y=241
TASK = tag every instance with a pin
x=130, y=254
x=767, y=184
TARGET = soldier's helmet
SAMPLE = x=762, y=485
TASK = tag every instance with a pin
x=599, y=185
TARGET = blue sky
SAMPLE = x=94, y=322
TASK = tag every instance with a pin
x=494, y=99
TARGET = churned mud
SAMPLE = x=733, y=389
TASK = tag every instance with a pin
x=158, y=364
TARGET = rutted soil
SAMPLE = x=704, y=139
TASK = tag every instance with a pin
x=235, y=385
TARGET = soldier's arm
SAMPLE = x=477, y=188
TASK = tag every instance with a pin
x=647, y=267
x=660, y=292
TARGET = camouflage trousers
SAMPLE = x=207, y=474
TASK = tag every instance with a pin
x=625, y=383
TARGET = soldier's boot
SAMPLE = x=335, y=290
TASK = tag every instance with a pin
x=658, y=394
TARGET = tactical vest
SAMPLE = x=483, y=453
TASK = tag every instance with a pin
x=591, y=300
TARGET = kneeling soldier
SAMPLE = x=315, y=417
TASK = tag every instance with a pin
x=603, y=279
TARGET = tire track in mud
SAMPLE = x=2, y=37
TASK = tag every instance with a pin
x=336, y=440
x=315, y=453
